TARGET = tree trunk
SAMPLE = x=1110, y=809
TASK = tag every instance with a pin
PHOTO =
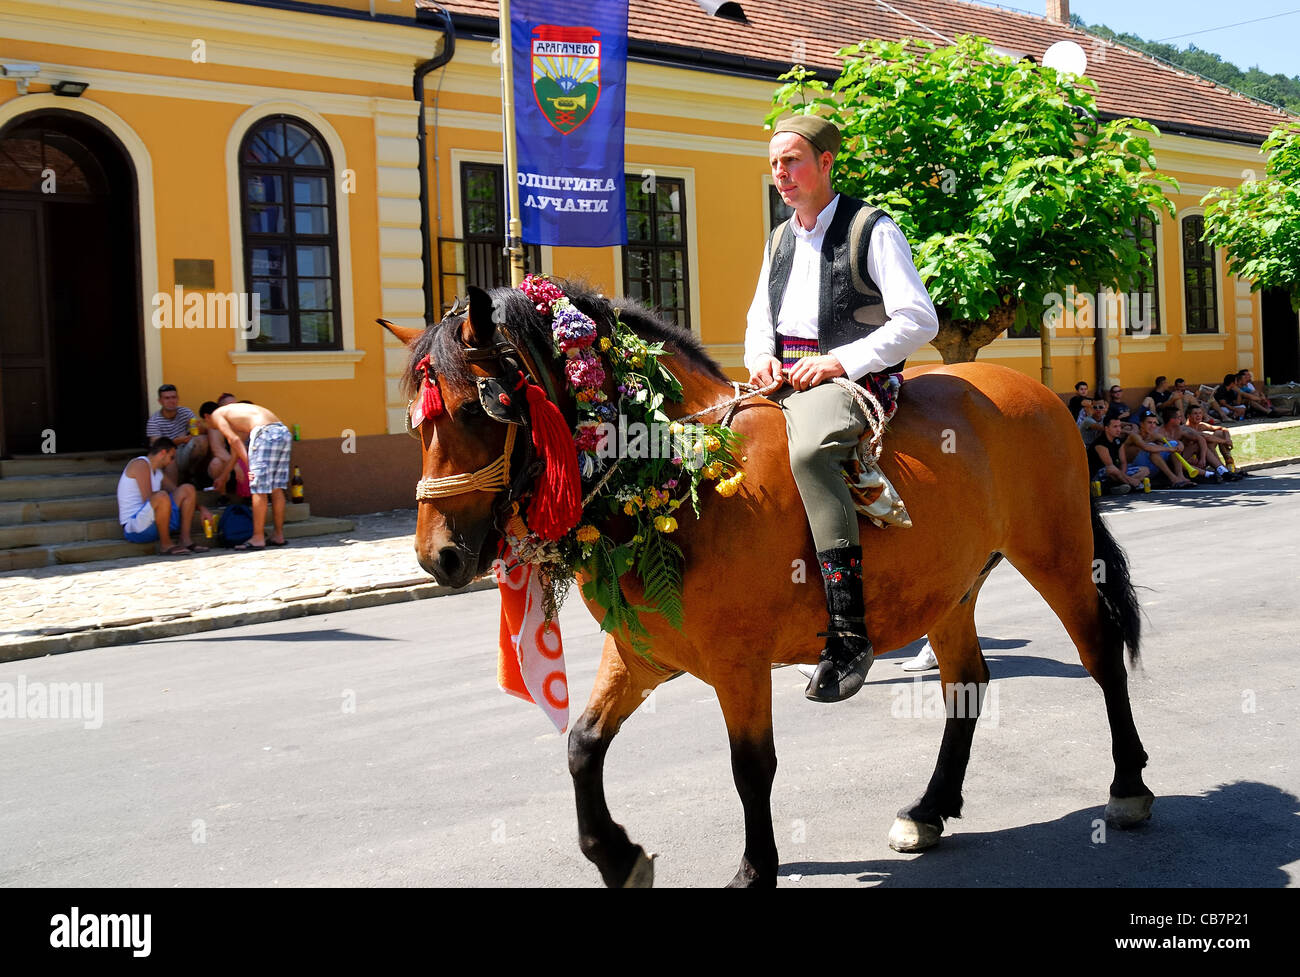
x=960, y=340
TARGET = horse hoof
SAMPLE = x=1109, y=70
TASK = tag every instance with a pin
x=912, y=836
x=1129, y=812
x=642, y=875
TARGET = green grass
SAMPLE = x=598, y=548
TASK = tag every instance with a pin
x=1267, y=446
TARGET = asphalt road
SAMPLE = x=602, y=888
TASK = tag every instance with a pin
x=372, y=748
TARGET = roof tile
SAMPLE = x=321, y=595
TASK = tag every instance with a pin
x=1130, y=83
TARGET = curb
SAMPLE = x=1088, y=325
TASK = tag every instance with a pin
x=1275, y=463
x=170, y=626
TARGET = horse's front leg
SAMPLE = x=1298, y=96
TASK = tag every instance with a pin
x=746, y=700
x=616, y=695
x=965, y=676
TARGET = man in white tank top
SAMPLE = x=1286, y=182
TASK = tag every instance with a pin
x=150, y=507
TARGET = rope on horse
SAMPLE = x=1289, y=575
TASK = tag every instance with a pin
x=489, y=479
x=876, y=417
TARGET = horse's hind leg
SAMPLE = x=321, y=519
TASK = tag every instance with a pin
x=965, y=676
x=616, y=695
x=1099, y=632
x=746, y=700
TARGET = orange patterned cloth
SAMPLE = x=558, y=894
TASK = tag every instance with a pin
x=530, y=662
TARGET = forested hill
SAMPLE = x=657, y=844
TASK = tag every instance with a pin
x=1278, y=89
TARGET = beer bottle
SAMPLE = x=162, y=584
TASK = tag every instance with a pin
x=296, y=492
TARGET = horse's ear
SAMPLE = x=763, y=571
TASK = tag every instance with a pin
x=479, y=326
x=407, y=335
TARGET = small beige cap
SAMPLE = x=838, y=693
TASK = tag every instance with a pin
x=824, y=136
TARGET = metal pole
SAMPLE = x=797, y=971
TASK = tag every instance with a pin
x=514, y=229
x=1045, y=335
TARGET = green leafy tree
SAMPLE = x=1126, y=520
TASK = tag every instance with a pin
x=998, y=171
x=1258, y=222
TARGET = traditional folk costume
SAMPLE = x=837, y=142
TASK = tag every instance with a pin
x=846, y=287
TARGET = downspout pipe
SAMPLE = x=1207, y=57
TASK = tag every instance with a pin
x=417, y=85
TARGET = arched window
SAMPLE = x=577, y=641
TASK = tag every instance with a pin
x=1200, y=283
x=39, y=157
x=290, y=237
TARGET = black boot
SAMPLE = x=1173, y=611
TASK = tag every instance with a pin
x=848, y=652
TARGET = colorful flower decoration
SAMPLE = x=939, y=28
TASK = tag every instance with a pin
x=640, y=490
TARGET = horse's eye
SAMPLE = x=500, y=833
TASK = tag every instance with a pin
x=469, y=410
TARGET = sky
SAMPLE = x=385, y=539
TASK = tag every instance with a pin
x=1273, y=45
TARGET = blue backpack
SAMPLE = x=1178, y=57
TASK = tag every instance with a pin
x=236, y=525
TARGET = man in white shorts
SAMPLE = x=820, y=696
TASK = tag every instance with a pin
x=258, y=439
x=150, y=507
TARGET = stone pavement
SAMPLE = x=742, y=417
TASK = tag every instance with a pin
x=69, y=608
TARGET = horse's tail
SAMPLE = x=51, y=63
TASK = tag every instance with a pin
x=1121, y=616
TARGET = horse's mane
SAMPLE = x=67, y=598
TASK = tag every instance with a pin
x=442, y=343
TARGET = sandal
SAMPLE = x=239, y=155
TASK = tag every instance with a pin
x=177, y=550
x=197, y=548
x=243, y=547
x=271, y=542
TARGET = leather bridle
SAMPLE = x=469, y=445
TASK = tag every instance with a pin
x=503, y=398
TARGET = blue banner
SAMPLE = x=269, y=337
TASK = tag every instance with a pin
x=570, y=81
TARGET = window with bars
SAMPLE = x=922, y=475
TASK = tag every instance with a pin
x=1144, y=305
x=1200, y=286
x=478, y=257
x=290, y=238
x=655, y=257
x=777, y=209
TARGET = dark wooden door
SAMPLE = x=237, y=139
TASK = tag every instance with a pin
x=1281, y=338
x=26, y=408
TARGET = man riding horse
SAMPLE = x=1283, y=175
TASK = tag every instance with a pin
x=838, y=296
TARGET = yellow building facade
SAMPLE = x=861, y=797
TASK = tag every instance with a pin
x=227, y=149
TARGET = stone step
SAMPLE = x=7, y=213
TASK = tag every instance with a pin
x=38, y=488
x=54, y=510
x=29, y=557
x=95, y=462
x=46, y=533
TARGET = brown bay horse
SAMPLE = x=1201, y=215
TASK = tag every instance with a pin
x=974, y=497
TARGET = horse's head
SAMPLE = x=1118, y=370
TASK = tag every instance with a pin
x=475, y=445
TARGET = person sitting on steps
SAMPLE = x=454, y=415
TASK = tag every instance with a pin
x=150, y=507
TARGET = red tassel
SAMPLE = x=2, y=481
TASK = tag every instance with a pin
x=430, y=398
x=557, y=496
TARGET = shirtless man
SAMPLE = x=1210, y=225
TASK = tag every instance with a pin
x=1188, y=443
x=222, y=466
x=1183, y=396
x=1218, y=438
x=1151, y=453
x=266, y=455
x=1193, y=445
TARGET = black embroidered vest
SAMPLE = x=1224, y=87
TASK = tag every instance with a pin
x=849, y=303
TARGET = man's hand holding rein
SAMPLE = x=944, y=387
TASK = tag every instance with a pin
x=812, y=370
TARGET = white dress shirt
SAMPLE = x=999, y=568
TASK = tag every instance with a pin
x=912, y=321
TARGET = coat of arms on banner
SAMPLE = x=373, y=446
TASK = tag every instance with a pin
x=566, y=74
